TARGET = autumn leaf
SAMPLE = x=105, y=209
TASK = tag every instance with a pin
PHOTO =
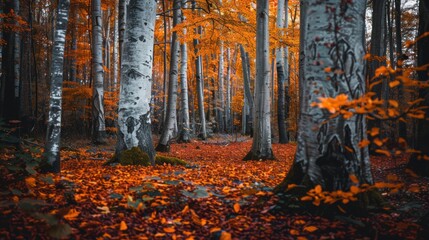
x=72, y=214
x=318, y=189
x=169, y=229
x=294, y=232
x=364, y=143
x=384, y=152
x=355, y=190
x=236, y=207
x=123, y=226
x=310, y=228
x=31, y=182
x=394, y=83
x=374, y=131
x=225, y=236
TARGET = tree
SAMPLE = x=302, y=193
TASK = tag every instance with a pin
x=280, y=65
x=134, y=124
x=53, y=132
x=261, y=145
x=169, y=129
x=332, y=65
x=184, y=135
x=98, y=122
x=11, y=60
x=418, y=162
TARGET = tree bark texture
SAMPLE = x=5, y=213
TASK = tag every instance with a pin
x=220, y=109
x=280, y=66
x=184, y=135
x=98, y=121
x=328, y=152
x=261, y=145
x=134, y=124
x=169, y=129
x=53, y=132
x=417, y=162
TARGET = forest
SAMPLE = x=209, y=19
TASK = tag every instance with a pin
x=214, y=119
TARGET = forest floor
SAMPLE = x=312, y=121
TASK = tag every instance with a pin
x=217, y=196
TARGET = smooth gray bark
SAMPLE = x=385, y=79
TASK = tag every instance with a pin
x=280, y=66
x=53, y=132
x=199, y=82
x=328, y=150
x=98, y=121
x=184, y=103
x=261, y=145
x=169, y=129
x=417, y=162
x=220, y=109
x=134, y=123
x=247, y=91
x=73, y=62
x=228, y=118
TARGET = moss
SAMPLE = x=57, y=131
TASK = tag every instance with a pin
x=134, y=156
x=160, y=160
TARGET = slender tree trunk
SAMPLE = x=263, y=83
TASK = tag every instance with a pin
x=168, y=131
x=134, y=124
x=328, y=149
x=220, y=109
x=199, y=82
x=122, y=8
x=261, y=145
x=98, y=121
x=281, y=106
x=115, y=54
x=418, y=162
x=185, y=131
x=400, y=58
x=227, y=110
x=53, y=132
x=246, y=81
x=73, y=62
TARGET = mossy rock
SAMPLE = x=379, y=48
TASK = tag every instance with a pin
x=160, y=160
x=134, y=156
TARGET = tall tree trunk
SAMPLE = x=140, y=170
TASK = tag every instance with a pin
x=73, y=62
x=220, y=109
x=98, y=121
x=400, y=58
x=418, y=162
x=281, y=106
x=122, y=10
x=53, y=132
x=168, y=131
x=261, y=145
x=199, y=82
x=328, y=149
x=10, y=86
x=378, y=58
x=134, y=124
x=246, y=82
x=185, y=131
x=228, y=121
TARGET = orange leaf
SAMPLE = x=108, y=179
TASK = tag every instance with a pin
x=185, y=209
x=225, y=236
x=374, y=131
x=215, y=229
x=394, y=83
x=123, y=226
x=393, y=103
x=31, y=182
x=236, y=207
x=354, y=190
x=364, y=143
x=385, y=152
x=378, y=142
x=294, y=232
x=169, y=229
x=310, y=228
x=318, y=189
x=306, y=198
x=72, y=214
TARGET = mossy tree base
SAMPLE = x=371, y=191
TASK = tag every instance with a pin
x=259, y=156
x=135, y=156
x=366, y=201
x=163, y=148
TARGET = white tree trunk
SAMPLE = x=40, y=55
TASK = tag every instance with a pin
x=17, y=55
x=227, y=110
x=134, y=125
x=185, y=131
x=53, y=132
x=220, y=109
x=169, y=129
x=98, y=122
x=328, y=152
x=261, y=146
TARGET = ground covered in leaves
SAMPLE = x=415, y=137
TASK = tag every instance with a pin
x=216, y=196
